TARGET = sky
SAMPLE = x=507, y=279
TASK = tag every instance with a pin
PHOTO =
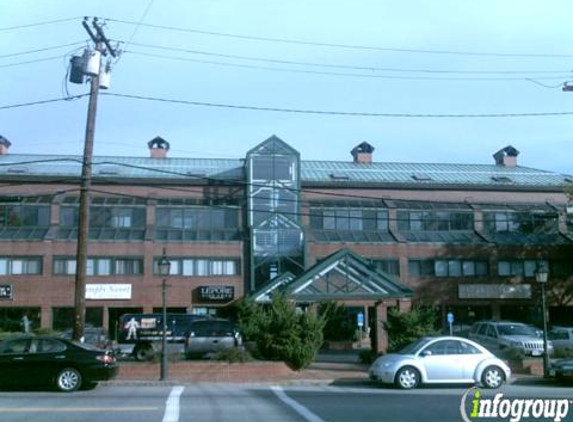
x=367, y=70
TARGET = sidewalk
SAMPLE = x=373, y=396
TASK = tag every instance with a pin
x=329, y=368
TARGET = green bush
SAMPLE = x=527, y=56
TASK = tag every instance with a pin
x=513, y=353
x=249, y=319
x=405, y=328
x=233, y=355
x=338, y=324
x=281, y=331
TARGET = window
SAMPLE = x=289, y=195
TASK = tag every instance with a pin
x=20, y=265
x=273, y=167
x=435, y=220
x=24, y=216
x=197, y=223
x=201, y=267
x=520, y=222
x=460, y=268
x=511, y=268
x=349, y=219
x=389, y=266
x=447, y=268
x=100, y=266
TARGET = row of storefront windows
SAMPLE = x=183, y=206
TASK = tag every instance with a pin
x=205, y=267
x=125, y=266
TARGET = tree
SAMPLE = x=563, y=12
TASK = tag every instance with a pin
x=405, y=328
x=282, y=331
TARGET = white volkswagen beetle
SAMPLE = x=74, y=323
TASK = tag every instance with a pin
x=440, y=360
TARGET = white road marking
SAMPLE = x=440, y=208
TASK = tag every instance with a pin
x=296, y=406
x=172, y=405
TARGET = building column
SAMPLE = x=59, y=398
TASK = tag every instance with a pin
x=381, y=311
x=46, y=317
x=404, y=305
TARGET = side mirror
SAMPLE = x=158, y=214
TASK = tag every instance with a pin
x=426, y=353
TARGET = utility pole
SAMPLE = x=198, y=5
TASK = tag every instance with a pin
x=101, y=43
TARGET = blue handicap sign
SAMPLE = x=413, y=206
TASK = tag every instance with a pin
x=360, y=319
x=450, y=317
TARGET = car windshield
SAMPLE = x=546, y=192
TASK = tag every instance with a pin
x=515, y=330
x=413, y=347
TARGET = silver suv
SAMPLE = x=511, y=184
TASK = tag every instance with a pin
x=210, y=335
x=504, y=335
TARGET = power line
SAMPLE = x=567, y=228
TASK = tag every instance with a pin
x=354, y=75
x=337, y=66
x=335, y=45
x=30, y=25
x=45, y=59
x=53, y=100
x=39, y=50
x=336, y=113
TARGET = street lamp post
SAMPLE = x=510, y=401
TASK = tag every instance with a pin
x=541, y=276
x=164, y=265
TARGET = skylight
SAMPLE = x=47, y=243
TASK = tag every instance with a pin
x=501, y=179
x=420, y=177
x=339, y=176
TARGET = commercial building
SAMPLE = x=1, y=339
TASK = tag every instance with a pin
x=372, y=234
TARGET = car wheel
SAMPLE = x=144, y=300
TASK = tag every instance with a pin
x=492, y=377
x=143, y=353
x=68, y=379
x=407, y=378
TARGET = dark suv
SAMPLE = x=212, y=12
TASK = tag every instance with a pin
x=207, y=336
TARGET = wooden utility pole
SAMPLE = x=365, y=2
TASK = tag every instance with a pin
x=101, y=42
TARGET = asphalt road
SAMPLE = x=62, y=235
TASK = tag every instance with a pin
x=226, y=403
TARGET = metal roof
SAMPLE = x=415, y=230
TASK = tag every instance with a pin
x=427, y=174
x=122, y=167
x=336, y=173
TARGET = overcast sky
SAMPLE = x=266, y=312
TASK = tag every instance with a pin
x=406, y=58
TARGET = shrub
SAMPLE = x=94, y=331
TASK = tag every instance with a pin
x=281, y=331
x=338, y=325
x=405, y=328
x=249, y=319
x=233, y=355
x=513, y=353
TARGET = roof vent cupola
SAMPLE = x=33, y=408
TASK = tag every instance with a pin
x=158, y=147
x=362, y=153
x=506, y=157
x=4, y=145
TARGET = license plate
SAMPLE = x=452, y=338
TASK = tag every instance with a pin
x=551, y=372
x=536, y=353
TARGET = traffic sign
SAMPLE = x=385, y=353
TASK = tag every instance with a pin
x=360, y=319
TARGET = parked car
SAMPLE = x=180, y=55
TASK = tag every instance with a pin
x=562, y=370
x=52, y=361
x=96, y=336
x=140, y=335
x=211, y=335
x=440, y=360
x=500, y=335
x=561, y=337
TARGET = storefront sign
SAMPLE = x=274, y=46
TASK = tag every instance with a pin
x=5, y=291
x=494, y=291
x=216, y=293
x=108, y=291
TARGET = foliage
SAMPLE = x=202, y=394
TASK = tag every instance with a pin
x=338, y=326
x=563, y=352
x=281, y=331
x=233, y=355
x=249, y=319
x=405, y=328
x=514, y=353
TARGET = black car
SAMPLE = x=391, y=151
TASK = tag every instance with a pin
x=51, y=361
x=562, y=370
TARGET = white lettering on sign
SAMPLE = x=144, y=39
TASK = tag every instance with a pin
x=108, y=291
